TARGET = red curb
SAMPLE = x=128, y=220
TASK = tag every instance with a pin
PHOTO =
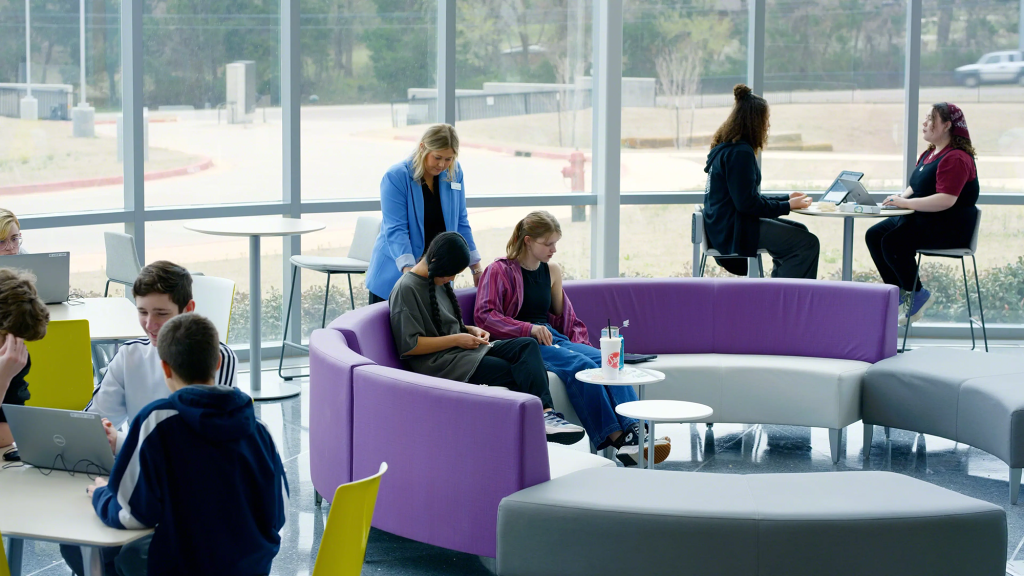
x=206, y=164
x=151, y=121
x=507, y=150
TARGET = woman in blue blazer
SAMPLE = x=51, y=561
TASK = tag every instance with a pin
x=420, y=197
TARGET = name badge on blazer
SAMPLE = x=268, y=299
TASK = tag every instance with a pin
x=456, y=186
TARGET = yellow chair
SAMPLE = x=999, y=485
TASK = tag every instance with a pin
x=343, y=545
x=61, y=375
x=5, y=569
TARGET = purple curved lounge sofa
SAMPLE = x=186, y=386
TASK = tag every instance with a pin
x=455, y=450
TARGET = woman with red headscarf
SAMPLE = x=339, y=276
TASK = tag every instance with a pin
x=943, y=191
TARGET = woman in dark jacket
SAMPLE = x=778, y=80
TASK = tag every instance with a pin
x=738, y=219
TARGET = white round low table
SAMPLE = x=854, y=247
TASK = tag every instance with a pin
x=662, y=411
x=628, y=376
x=254, y=227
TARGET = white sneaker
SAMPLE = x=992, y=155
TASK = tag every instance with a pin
x=561, y=431
x=628, y=453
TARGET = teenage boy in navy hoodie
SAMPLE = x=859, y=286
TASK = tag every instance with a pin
x=206, y=432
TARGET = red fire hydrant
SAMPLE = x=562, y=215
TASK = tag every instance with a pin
x=574, y=172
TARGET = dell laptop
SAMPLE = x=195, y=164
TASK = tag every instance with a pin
x=60, y=439
x=52, y=271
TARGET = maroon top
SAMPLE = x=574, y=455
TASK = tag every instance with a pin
x=956, y=168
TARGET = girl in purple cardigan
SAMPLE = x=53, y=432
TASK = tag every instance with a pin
x=522, y=295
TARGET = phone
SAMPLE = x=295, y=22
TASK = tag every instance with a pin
x=12, y=456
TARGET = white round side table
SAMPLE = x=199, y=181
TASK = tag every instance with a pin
x=629, y=376
x=662, y=411
x=255, y=227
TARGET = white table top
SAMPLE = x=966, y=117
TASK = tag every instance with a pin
x=814, y=211
x=255, y=226
x=664, y=410
x=54, y=508
x=630, y=376
x=109, y=318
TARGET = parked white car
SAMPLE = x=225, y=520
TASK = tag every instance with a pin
x=994, y=67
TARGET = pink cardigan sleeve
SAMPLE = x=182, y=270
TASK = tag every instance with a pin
x=573, y=328
x=492, y=298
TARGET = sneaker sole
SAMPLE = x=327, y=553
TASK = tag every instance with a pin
x=661, y=452
x=566, y=438
x=920, y=313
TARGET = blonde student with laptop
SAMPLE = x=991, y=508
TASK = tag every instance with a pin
x=201, y=431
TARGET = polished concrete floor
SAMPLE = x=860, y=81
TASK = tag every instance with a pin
x=724, y=449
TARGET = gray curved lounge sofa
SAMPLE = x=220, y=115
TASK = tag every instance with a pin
x=970, y=397
x=614, y=521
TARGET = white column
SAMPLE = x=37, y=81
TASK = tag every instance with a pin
x=133, y=138
x=83, y=116
x=1020, y=27
x=81, y=52
x=607, y=98
x=446, y=61
x=911, y=88
x=29, y=107
x=291, y=186
x=755, y=45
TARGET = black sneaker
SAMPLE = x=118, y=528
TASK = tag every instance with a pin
x=628, y=447
x=561, y=431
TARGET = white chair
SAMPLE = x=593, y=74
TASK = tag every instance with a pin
x=122, y=262
x=357, y=261
x=962, y=254
x=214, y=297
x=702, y=249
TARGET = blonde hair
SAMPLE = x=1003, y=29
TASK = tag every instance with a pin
x=7, y=219
x=437, y=137
x=536, y=225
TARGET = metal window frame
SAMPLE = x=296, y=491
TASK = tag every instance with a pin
x=606, y=200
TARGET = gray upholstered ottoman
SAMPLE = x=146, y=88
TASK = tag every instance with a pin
x=970, y=397
x=615, y=521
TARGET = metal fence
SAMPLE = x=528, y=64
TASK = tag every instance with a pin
x=55, y=100
x=479, y=106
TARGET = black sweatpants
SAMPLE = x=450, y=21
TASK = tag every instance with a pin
x=517, y=365
x=794, y=249
x=894, y=242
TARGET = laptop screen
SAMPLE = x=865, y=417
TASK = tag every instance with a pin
x=836, y=193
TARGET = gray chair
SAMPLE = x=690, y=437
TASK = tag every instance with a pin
x=962, y=254
x=122, y=262
x=702, y=249
x=357, y=261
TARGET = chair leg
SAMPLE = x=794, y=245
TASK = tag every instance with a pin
x=760, y=266
x=888, y=432
x=703, y=262
x=106, y=288
x=317, y=499
x=834, y=440
x=351, y=295
x=327, y=297
x=913, y=292
x=1014, y=484
x=284, y=333
x=981, y=310
x=967, y=294
x=869, y=433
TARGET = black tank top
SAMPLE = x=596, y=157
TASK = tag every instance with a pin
x=536, y=295
x=958, y=220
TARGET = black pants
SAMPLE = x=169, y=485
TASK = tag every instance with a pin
x=517, y=365
x=374, y=299
x=794, y=250
x=894, y=242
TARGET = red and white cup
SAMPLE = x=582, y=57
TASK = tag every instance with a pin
x=611, y=357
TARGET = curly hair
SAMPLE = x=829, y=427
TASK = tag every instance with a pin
x=22, y=312
x=447, y=255
x=748, y=121
x=941, y=112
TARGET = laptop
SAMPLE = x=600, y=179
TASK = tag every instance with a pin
x=52, y=271
x=837, y=191
x=861, y=196
x=60, y=439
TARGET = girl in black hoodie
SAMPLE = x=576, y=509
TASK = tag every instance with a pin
x=738, y=219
